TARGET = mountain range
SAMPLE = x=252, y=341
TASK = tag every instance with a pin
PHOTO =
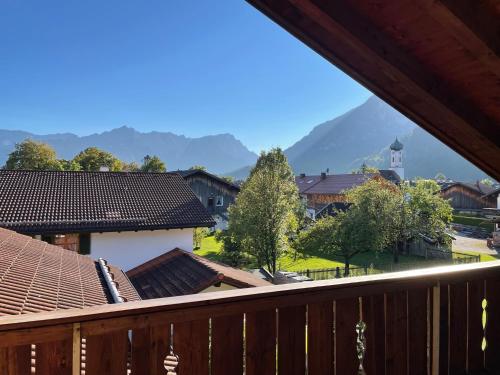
x=218, y=153
x=361, y=135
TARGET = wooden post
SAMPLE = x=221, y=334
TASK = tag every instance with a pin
x=77, y=349
x=436, y=322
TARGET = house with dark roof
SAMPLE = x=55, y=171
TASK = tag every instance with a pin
x=126, y=218
x=36, y=276
x=214, y=192
x=469, y=195
x=320, y=192
x=179, y=272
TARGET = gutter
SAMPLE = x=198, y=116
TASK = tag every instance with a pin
x=112, y=286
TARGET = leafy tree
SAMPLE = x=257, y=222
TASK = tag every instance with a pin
x=346, y=235
x=93, y=158
x=198, y=167
x=131, y=167
x=487, y=182
x=440, y=177
x=153, y=164
x=429, y=213
x=33, y=155
x=232, y=249
x=264, y=214
x=366, y=169
x=198, y=235
x=70, y=165
x=228, y=179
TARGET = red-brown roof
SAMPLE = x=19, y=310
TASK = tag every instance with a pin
x=36, y=276
x=179, y=272
x=332, y=184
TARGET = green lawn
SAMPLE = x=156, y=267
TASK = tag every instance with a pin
x=210, y=249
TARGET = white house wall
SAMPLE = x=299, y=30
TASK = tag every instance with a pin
x=130, y=249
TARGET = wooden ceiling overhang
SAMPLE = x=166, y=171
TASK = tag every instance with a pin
x=436, y=61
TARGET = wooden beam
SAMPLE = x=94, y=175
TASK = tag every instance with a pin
x=481, y=17
x=337, y=31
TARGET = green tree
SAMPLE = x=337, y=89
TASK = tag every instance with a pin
x=228, y=179
x=198, y=235
x=487, y=182
x=131, y=167
x=440, y=176
x=70, y=165
x=232, y=249
x=366, y=169
x=345, y=235
x=33, y=155
x=153, y=164
x=265, y=212
x=428, y=212
x=93, y=158
x=198, y=167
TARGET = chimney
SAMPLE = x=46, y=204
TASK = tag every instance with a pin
x=302, y=175
x=323, y=175
x=103, y=168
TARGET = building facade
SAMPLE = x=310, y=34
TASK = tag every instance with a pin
x=215, y=193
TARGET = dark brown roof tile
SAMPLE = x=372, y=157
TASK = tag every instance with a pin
x=35, y=202
x=179, y=272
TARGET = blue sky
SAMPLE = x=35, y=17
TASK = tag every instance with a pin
x=192, y=67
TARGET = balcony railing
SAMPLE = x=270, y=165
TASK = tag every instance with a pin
x=435, y=321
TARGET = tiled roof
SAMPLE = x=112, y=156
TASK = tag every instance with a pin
x=36, y=276
x=333, y=183
x=306, y=182
x=390, y=175
x=36, y=202
x=178, y=272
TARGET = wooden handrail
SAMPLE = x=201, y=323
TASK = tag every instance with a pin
x=278, y=295
x=397, y=310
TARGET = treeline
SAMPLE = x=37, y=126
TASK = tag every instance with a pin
x=268, y=219
x=34, y=155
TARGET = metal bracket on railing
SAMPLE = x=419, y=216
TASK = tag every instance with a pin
x=361, y=345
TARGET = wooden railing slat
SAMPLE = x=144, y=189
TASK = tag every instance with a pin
x=492, y=354
x=417, y=331
x=191, y=345
x=346, y=318
x=260, y=331
x=292, y=340
x=458, y=328
x=54, y=358
x=374, y=317
x=107, y=354
x=320, y=340
x=15, y=360
x=476, y=332
x=227, y=337
x=444, y=329
x=396, y=333
x=149, y=348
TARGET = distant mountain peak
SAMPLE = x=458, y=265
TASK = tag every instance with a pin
x=218, y=153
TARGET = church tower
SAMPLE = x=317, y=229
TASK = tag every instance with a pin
x=397, y=158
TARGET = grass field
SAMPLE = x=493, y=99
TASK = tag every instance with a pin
x=210, y=249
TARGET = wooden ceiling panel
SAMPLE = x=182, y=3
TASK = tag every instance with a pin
x=435, y=61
